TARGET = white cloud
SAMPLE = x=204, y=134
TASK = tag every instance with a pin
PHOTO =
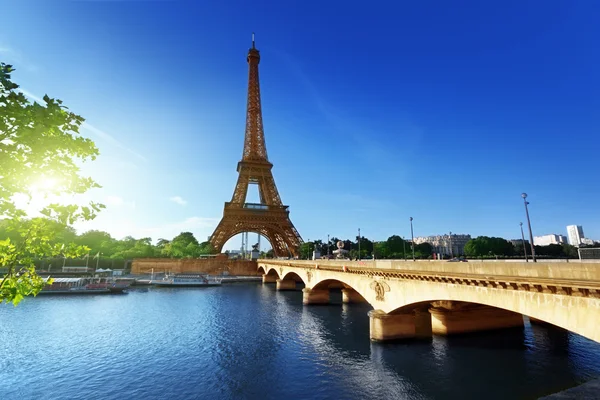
x=178, y=200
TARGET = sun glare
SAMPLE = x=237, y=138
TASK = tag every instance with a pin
x=40, y=194
x=43, y=184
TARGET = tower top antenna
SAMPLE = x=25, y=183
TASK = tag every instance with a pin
x=253, y=40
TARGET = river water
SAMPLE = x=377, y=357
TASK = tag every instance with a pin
x=247, y=341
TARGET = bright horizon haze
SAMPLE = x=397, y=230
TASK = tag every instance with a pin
x=444, y=112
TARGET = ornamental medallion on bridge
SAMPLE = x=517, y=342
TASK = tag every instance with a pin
x=270, y=217
x=281, y=272
x=308, y=275
x=380, y=287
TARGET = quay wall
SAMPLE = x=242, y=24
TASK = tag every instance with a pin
x=213, y=266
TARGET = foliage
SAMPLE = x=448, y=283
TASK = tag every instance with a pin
x=488, y=246
x=423, y=250
x=39, y=149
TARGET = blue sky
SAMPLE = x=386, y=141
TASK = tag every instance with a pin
x=373, y=112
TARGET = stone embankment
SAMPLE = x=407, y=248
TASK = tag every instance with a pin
x=219, y=265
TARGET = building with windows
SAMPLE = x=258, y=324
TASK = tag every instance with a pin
x=450, y=245
x=519, y=242
x=546, y=240
x=575, y=233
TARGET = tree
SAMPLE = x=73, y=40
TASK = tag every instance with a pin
x=305, y=250
x=99, y=242
x=382, y=250
x=423, y=250
x=570, y=251
x=39, y=151
x=396, y=247
x=486, y=246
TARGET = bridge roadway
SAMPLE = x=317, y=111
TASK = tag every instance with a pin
x=415, y=299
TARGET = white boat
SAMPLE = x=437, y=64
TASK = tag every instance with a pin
x=188, y=280
x=84, y=286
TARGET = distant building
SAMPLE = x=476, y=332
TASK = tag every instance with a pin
x=519, y=242
x=546, y=240
x=575, y=233
x=446, y=244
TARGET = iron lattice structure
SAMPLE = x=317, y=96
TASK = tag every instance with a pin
x=270, y=217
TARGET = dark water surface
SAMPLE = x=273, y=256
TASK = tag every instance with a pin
x=247, y=341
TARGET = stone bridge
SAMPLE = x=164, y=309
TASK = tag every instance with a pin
x=417, y=299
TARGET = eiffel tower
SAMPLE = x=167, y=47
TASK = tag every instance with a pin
x=270, y=217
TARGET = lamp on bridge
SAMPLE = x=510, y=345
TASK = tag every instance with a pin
x=412, y=238
x=524, y=196
x=523, y=242
x=359, y=243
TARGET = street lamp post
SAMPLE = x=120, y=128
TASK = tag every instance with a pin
x=412, y=238
x=451, y=251
x=359, y=244
x=404, y=248
x=328, y=247
x=524, y=196
x=374, y=242
x=308, y=249
x=523, y=241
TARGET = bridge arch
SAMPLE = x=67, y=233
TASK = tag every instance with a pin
x=291, y=275
x=569, y=312
x=349, y=292
x=272, y=271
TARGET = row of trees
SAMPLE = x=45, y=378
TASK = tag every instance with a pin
x=101, y=245
x=397, y=248
x=484, y=246
x=393, y=248
x=111, y=251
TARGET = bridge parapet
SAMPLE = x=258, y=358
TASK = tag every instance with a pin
x=574, y=274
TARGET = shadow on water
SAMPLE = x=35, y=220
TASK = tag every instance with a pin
x=516, y=363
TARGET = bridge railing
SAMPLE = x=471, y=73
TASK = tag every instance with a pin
x=582, y=274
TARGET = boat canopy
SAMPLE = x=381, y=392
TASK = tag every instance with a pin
x=66, y=280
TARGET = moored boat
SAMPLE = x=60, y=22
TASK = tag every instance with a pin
x=83, y=286
x=188, y=280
